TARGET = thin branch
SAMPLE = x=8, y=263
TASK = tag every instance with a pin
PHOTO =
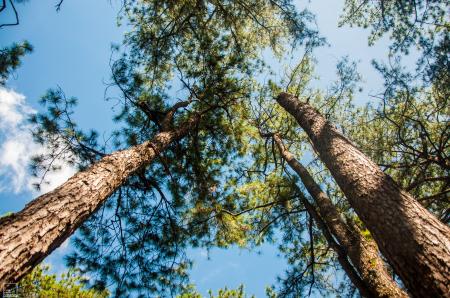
x=58, y=6
x=15, y=14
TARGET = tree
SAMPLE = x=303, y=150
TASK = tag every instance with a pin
x=362, y=252
x=414, y=242
x=340, y=250
x=264, y=202
x=421, y=24
x=10, y=3
x=222, y=40
x=414, y=100
x=10, y=59
x=222, y=293
x=38, y=283
x=51, y=218
x=406, y=137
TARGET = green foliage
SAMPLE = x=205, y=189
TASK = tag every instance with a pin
x=39, y=283
x=210, y=51
x=422, y=25
x=407, y=135
x=407, y=132
x=201, y=191
x=59, y=134
x=225, y=183
x=407, y=21
x=222, y=293
x=10, y=59
x=264, y=198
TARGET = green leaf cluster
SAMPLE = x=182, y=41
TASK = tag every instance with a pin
x=70, y=284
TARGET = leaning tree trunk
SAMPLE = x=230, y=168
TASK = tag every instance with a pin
x=362, y=252
x=415, y=243
x=28, y=236
x=340, y=250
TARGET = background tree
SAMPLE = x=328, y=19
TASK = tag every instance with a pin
x=38, y=283
x=221, y=293
x=8, y=5
x=263, y=203
x=407, y=135
x=422, y=24
x=413, y=107
x=10, y=59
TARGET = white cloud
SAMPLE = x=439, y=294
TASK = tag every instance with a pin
x=17, y=147
x=12, y=108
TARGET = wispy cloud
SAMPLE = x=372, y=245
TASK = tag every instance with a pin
x=17, y=147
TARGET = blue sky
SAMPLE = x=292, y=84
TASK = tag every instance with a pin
x=72, y=50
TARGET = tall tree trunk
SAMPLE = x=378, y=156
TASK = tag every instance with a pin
x=340, y=251
x=362, y=252
x=28, y=236
x=415, y=243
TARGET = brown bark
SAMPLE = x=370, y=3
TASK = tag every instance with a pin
x=415, y=243
x=362, y=252
x=340, y=251
x=28, y=236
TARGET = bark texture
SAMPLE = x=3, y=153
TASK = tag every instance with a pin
x=415, y=243
x=362, y=252
x=28, y=236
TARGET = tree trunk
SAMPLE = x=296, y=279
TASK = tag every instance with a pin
x=362, y=252
x=340, y=251
x=28, y=236
x=415, y=243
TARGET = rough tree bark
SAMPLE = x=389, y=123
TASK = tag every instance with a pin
x=28, y=236
x=362, y=252
x=415, y=243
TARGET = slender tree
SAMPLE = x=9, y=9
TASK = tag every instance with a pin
x=28, y=236
x=265, y=201
x=339, y=249
x=415, y=243
x=362, y=252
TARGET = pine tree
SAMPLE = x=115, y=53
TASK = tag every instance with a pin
x=362, y=252
x=39, y=283
x=413, y=241
x=213, y=50
x=10, y=59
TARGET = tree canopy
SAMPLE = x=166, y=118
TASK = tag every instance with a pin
x=226, y=182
